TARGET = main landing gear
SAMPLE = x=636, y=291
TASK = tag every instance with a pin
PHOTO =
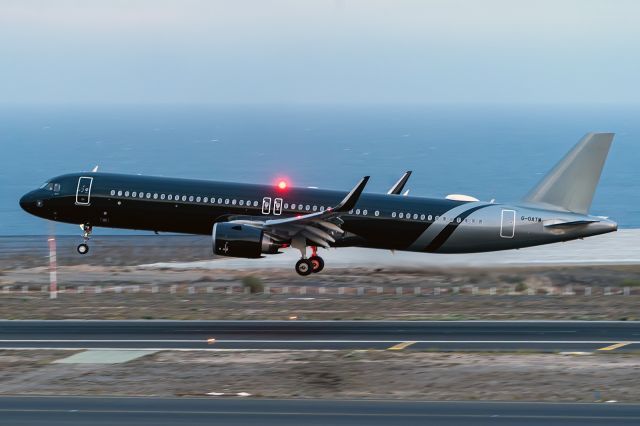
x=86, y=235
x=313, y=264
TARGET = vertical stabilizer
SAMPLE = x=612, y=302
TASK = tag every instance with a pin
x=571, y=184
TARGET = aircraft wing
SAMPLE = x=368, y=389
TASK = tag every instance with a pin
x=319, y=227
x=397, y=188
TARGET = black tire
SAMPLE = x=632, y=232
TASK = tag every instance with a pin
x=304, y=267
x=317, y=263
x=83, y=248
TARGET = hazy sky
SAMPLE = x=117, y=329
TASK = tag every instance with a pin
x=319, y=51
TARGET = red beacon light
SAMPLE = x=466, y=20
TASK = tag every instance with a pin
x=282, y=184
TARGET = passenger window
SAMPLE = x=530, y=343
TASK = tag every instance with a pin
x=184, y=198
x=429, y=217
x=321, y=208
x=155, y=196
x=421, y=217
x=364, y=212
x=357, y=211
x=401, y=215
x=206, y=199
x=119, y=193
x=170, y=197
x=393, y=214
x=191, y=198
x=233, y=201
x=241, y=202
x=286, y=205
x=113, y=192
x=162, y=196
x=415, y=216
x=148, y=194
x=126, y=193
x=307, y=207
x=219, y=200
x=198, y=199
x=226, y=201
x=315, y=208
x=255, y=204
x=376, y=213
x=134, y=194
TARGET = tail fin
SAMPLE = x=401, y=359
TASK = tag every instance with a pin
x=570, y=185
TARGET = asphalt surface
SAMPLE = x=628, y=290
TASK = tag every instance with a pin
x=411, y=335
x=186, y=411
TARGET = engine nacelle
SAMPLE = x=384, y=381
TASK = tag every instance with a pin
x=239, y=240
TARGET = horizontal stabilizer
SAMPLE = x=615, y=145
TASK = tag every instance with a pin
x=571, y=184
x=559, y=223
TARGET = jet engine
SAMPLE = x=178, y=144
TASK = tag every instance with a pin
x=240, y=240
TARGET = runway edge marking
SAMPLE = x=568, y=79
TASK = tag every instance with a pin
x=401, y=346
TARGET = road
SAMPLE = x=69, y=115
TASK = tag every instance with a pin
x=406, y=335
x=194, y=411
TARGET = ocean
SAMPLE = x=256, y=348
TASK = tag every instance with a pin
x=487, y=151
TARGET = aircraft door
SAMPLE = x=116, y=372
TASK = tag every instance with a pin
x=508, y=224
x=83, y=192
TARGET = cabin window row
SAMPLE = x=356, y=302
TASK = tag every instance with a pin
x=212, y=200
x=287, y=206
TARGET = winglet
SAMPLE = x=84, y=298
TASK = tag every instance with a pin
x=352, y=197
x=397, y=188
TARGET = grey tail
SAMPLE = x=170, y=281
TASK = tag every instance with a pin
x=571, y=184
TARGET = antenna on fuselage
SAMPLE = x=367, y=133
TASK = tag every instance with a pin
x=95, y=169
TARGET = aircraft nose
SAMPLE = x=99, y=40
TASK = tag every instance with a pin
x=29, y=201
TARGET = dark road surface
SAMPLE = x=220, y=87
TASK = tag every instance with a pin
x=185, y=411
x=413, y=335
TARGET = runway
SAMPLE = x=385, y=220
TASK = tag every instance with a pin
x=399, y=335
x=195, y=411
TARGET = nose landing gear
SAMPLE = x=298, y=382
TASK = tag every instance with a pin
x=84, y=247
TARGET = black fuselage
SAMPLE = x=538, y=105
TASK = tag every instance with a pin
x=376, y=220
x=193, y=206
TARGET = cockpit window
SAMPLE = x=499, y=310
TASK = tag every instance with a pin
x=50, y=186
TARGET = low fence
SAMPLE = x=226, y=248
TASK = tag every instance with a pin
x=315, y=291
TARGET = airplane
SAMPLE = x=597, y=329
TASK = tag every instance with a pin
x=251, y=221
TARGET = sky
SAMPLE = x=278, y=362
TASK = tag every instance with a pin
x=319, y=51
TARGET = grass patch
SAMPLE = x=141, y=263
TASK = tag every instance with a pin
x=630, y=282
x=253, y=283
x=520, y=287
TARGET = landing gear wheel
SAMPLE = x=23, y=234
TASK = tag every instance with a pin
x=83, y=248
x=304, y=267
x=317, y=263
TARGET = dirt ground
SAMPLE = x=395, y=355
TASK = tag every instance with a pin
x=520, y=293
x=334, y=374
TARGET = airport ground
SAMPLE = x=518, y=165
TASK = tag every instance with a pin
x=501, y=361
x=112, y=284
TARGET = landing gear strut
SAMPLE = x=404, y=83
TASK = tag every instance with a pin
x=306, y=266
x=84, y=247
x=316, y=261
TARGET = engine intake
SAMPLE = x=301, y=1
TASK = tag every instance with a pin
x=239, y=240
